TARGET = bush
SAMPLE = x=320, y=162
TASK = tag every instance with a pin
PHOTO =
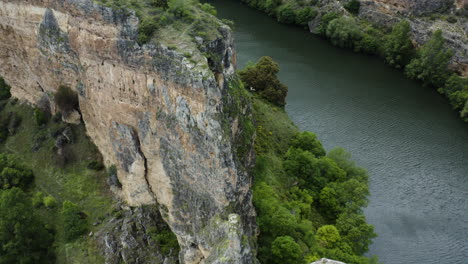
x=262, y=78
x=431, y=62
x=4, y=90
x=73, y=221
x=95, y=165
x=66, y=99
x=38, y=199
x=209, y=9
x=305, y=15
x=286, y=14
x=50, y=202
x=353, y=6
x=456, y=89
x=40, y=117
x=13, y=174
x=397, y=47
x=286, y=251
x=325, y=20
x=344, y=32
x=146, y=29
x=181, y=8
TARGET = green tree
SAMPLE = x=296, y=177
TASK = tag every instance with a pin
x=328, y=236
x=308, y=141
x=305, y=15
x=13, y=173
x=431, y=62
x=344, y=32
x=353, y=6
x=23, y=238
x=325, y=20
x=355, y=232
x=262, y=77
x=456, y=89
x=286, y=14
x=397, y=47
x=286, y=251
x=73, y=221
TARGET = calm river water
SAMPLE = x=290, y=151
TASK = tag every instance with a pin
x=413, y=145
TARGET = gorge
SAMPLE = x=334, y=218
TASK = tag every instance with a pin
x=189, y=149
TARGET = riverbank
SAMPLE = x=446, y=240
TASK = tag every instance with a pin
x=412, y=143
x=400, y=38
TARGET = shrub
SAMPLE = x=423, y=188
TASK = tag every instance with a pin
x=209, y=9
x=456, y=89
x=452, y=19
x=4, y=90
x=344, y=32
x=397, y=47
x=180, y=8
x=305, y=15
x=38, y=199
x=73, y=221
x=286, y=14
x=146, y=29
x=325, y=20
x=95, y=165
x=353, y=6
x=66, y=99
x=431, y=62
x=40, y=117
x=13, y=174
x=262, y=77
x=50, y=202
x=286, y=251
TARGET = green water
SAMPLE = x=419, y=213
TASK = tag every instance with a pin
x=414, y=146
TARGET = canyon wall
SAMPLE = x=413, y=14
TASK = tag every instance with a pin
x=155, y=114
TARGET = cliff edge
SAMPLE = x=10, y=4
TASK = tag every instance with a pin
x=155, y=114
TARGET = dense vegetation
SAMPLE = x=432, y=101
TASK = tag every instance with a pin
x=309, y=202
x=428, y=63
x=48, y=198
x=178, y=24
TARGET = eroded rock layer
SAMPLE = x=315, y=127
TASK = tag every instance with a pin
x=152, y=112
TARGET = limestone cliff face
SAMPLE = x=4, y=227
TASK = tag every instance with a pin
x=152, y=112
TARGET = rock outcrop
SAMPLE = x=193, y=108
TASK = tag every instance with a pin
x=155, y=114
x=327, y=261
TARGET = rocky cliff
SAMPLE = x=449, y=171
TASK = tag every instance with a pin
x=158, y=116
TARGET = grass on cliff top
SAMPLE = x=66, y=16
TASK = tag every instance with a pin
x=73, y=182
x=173, y=23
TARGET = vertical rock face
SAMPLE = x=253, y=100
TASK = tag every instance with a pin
x=153, y=113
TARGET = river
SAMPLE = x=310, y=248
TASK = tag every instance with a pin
x=413, y=145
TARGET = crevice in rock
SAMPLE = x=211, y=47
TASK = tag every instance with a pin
x=145, y=164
